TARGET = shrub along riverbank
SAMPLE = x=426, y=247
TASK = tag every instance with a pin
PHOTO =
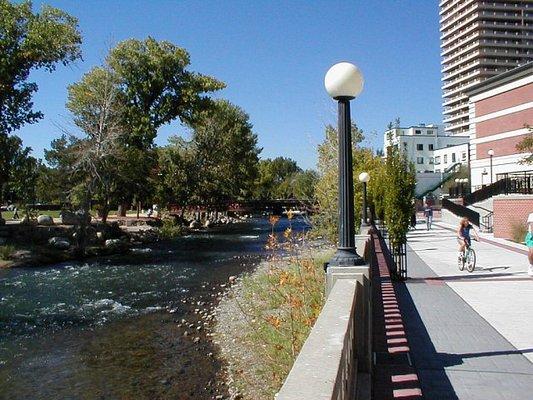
x=266, y=317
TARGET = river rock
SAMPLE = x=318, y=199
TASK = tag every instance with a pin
x=207, y=223
x=46, y=220
x=113, y=243
x=59, y=243
x=195, y=224
x=73, y=218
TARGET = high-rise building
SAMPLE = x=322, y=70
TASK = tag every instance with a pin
x=479, y=39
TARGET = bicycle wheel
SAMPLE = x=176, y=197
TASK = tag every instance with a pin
x=471, y=260
x=461, y=262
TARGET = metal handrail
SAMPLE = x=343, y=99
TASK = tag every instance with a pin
x=461, y=211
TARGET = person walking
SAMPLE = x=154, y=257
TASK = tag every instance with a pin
x=529, y=243
x=16, y=213
x=428, y=213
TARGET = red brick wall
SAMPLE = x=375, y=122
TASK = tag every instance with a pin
x=509, y=211
x=511, y=98
x=502, y=147
x=505, y=123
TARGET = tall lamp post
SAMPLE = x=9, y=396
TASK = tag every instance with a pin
x=491, y=154
x=343, y=83
x=364, y=178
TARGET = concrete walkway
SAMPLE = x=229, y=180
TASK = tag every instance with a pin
x=471, y=334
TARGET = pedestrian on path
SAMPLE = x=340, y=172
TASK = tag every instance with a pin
x=529, y=243
x=16, y=213
x=428, y=213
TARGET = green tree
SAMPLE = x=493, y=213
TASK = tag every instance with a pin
x=400, y=181
x=30, y=41
x=327, y=187
x=97, y=108
x=272, y=175
x=226, y=153
x=300, y=185
x=157, y=87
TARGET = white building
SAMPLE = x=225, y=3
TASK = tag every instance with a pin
x=446, y=157
x=421, y=142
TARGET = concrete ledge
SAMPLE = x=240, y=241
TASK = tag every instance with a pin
x=326, y=367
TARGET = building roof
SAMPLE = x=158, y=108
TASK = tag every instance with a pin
x=501, y=79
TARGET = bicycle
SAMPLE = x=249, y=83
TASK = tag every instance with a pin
x=468, y=259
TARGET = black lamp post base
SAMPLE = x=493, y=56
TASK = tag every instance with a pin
x=346, y=258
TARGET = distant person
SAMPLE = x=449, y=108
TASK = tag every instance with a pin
x=413, y=219
x=16, y=213
x=529, y=243
x=463, y=236
x=428, y=213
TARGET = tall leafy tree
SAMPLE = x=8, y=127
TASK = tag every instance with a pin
x=526, y=146
x=97, y=108
x=157, y=88
x=226, y=153
x=272, y=175
x=28, y=41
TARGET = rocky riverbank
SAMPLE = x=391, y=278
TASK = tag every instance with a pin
x=244, y=354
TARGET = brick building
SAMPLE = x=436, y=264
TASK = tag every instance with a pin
x=500, y=110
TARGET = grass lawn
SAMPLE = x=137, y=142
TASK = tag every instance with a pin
x=8, y=215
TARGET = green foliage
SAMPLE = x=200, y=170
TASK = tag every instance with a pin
x=327, y=187
x=518, y=231
x=281, y=306
x=272, y=182
x=300, y=185
x=157, y=87
x=6, y=252
x=170, y=229
x=218, y=164
x=225, y=153
x=400, y=181
x=30, y=41
x=526, y=146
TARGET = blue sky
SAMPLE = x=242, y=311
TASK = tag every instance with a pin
x=273, y=56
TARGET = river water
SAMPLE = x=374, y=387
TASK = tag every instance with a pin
x=114, y=328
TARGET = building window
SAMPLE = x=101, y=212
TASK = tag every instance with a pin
x=430, y=146
x=437, y=160
x=445, y=158
x=431, y=160
x=429, y=132
x=420, y=160
x=463, y=156
x=418, y=132
x=420, y=147
x=405, y=145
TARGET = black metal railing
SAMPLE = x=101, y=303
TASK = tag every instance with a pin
x=487, y=221
x=461, y=211
x=508, y=183
x=396, y=256
x=517, y=182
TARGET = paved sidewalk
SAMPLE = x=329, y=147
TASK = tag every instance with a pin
x=471, y=334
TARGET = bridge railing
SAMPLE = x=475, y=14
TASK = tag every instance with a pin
x=335, y=361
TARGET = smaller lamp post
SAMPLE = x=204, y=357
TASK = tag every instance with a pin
x=457, y=180
x=364, y=177
x=491, y=154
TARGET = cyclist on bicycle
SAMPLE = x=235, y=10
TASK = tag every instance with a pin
x=463, y=236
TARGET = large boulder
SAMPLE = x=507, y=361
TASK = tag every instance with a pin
x=59, y=243
x=73, y=218
x=45, y=220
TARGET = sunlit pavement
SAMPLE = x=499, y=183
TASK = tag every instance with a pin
x=499, y=289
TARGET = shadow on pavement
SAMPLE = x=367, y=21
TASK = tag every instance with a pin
x=429, y=363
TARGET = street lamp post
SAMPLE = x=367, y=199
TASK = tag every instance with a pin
x=343, y=83
x=491, y=154
x=364, y=178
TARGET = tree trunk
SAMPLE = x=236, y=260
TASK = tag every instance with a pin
x=122, y=209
